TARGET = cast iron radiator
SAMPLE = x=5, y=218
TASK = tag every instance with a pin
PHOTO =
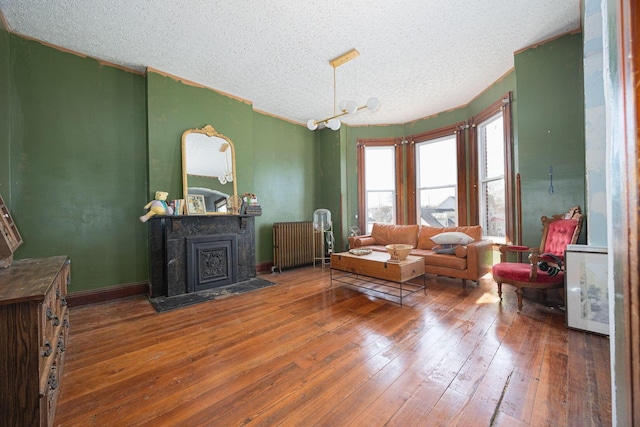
x=292, y=244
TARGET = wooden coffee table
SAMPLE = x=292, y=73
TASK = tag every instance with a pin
x=376, y=272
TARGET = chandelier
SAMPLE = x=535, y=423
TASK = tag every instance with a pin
x=345, y=107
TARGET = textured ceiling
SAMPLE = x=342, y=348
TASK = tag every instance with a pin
x=417, y=57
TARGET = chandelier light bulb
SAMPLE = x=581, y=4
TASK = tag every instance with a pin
x=334, y=124
x=373, y=104
x=312, y=124
x=350, y=107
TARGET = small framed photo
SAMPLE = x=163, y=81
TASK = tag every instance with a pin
x=195, y=204
x=587, y=294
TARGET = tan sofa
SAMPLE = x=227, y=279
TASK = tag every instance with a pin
x=468, y=262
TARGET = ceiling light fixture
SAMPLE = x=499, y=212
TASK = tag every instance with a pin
x=345, y=107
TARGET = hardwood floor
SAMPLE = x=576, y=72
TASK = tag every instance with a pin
x=302, y=354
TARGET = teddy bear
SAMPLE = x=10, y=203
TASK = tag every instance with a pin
x=158, y=206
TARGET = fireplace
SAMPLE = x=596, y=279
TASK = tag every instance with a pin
x=212, y=261
x=199, y=252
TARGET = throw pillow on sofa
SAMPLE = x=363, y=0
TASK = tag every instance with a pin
x=461, y=251
x=449, y=249
x=452, y=238
x=427, y=232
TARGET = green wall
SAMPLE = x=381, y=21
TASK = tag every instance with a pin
x=550, y=130
x=174, y=107
x=5, y=115
x=284, y=177
x=330, y=173
x=78, y=163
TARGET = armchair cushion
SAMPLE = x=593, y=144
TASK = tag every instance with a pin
x=519, y=272
x=559, y=234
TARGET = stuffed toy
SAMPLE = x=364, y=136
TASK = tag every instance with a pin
x=157, y=207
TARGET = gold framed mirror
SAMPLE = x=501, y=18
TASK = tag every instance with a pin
x=209, y=168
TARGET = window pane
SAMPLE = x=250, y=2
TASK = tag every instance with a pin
x=494, y=148
x=380, y=171
x=494, y=220
x=380, y=208
x=491, y=169
x=380, y=185
x=437, y=163
x=438, y=207
x=436, y=182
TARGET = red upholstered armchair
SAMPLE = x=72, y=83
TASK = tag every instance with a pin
x=557, y=232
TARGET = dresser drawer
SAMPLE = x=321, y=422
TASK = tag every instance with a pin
x=52, y=391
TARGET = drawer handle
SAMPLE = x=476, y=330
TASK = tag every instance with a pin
x=53, y=317
x=53, y=380
x=47, y=349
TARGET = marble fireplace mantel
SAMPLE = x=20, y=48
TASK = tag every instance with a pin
x=198, y=252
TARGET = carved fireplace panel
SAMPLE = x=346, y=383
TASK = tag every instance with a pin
x=212, y=261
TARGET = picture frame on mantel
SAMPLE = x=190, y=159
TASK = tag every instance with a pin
x=587, y=289
x=195, y=204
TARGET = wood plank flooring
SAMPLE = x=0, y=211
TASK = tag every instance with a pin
x=302, y=353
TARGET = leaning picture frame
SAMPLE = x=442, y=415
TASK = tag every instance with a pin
x=195, y=204
x=586, y=287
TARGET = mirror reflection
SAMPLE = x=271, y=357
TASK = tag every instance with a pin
x=208, y=167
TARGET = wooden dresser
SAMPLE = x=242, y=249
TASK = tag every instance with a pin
x=34, y=323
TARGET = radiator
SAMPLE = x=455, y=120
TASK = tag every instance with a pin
x=292, y=244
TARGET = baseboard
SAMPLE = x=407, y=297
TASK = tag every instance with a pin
x=107, y=294
x=264, y=267
x=127, y=290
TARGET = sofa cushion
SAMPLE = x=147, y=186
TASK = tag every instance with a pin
x=435, y=261
x=427, y=232
x=385, y=234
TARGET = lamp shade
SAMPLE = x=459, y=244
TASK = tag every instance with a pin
x=322, y=220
